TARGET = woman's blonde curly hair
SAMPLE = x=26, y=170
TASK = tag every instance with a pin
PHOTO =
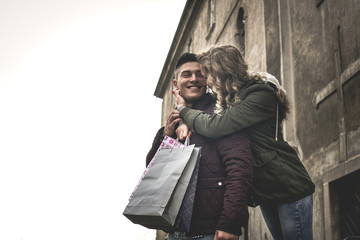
x=227, y=72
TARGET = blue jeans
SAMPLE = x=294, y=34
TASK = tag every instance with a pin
x=290, y=221
x=181, y=236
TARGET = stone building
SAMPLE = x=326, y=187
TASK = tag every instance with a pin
x=313, y=48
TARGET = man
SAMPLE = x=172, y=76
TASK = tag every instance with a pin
x=225, y=171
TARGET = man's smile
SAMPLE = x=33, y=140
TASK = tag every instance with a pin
x=194, y=87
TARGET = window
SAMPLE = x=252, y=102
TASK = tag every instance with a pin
x=189, y=46
x=211, y=17
x=240, y=33
x=319, y=2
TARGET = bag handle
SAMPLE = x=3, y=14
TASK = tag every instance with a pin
x=186, y=143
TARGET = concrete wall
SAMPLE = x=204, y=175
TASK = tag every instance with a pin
x=324, y=43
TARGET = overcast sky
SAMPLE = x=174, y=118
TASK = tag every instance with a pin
x=77, y=113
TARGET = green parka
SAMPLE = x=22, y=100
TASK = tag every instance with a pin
x=279, y=175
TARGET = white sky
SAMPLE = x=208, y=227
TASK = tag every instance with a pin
x=77, y=113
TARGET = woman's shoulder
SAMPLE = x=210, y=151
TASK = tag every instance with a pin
x=256, y=86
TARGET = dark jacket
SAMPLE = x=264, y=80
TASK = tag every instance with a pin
x=225, y=175
x=279, y=175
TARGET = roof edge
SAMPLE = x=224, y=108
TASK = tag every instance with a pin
x=189, y=13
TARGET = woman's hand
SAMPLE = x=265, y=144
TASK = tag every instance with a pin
x=180, y=102
x=220, y=235
x=182, y=131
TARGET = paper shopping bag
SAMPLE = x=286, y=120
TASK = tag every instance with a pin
x=167, y=142
x=157, y=199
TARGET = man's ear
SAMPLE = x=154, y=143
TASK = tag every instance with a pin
x=175, y=84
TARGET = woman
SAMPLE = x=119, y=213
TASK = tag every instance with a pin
x=281, y=186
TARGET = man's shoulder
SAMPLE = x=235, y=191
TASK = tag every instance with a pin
x=235, y=138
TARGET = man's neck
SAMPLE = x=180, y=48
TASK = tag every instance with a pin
x=191, y=103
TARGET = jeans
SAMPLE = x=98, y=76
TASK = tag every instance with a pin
x=290, y=221
x=181, y=236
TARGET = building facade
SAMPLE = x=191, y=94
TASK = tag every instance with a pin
x=313, y=48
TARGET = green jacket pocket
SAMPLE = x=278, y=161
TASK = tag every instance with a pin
x=262, y=159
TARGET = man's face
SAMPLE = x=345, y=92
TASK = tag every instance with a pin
x=190, y=82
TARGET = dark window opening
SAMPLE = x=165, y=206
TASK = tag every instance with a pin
x=348, y=188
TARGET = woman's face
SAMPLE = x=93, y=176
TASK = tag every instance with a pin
x=202, y=70
x=209, y=79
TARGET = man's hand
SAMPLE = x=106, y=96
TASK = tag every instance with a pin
x=180, y=102
x=182, y=131
x=172, y=120
x=220, y=235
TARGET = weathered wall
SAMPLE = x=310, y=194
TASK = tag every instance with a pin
x=324, y=43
